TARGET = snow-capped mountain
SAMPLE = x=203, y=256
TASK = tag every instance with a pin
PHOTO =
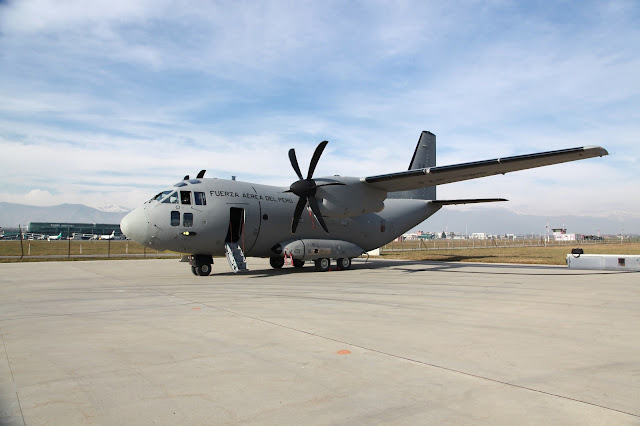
x=112, y=208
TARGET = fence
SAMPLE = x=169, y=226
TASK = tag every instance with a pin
x=452, y=244
x=25, y=249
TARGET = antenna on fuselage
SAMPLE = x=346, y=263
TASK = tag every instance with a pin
x=201, y=174
x=186, y=177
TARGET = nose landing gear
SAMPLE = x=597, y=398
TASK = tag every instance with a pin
x=201, y=264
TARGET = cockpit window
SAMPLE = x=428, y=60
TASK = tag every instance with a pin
x=200, y=198
x=172, y=199
x=156, y=198
x=160, y=196
x=180, y=184
x=185, y=197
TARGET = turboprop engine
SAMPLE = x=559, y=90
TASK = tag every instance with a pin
x=340, y=197
x=312, y=249
x=353, y=198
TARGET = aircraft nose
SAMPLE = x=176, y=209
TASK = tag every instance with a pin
x=135, y=225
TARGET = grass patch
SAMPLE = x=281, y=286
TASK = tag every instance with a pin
x=522, y=255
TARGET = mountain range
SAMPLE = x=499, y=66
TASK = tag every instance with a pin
x=495, y=221
x=500, y=221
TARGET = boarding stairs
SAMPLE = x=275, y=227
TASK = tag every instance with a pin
x=236, y=258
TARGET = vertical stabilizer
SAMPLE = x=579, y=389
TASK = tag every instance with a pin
x=423, y=157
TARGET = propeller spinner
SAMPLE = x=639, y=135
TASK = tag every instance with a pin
x=306, y=188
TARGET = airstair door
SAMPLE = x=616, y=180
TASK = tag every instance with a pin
x=236, y=225
x=243, y=227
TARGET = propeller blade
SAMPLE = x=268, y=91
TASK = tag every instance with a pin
x=315, y=158
x=298, y=214
x=294, y=162
x=316, y=211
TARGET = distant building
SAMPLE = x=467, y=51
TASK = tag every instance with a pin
x=68, y=229
x=426, y=235
x=560, y=234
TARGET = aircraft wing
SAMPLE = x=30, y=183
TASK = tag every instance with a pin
x=420, y=178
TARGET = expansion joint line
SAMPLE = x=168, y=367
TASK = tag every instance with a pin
x=15, y=387
x=441, y=367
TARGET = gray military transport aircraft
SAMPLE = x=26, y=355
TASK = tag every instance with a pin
x=347, y=216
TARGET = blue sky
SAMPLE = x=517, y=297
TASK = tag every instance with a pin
x=108, y=102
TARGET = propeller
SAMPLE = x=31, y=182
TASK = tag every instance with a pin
x=306, y=188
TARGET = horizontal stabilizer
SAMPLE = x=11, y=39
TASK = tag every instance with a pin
x=419, y=178
x=467, y=201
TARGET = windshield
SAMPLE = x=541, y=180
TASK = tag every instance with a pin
x=172, y=198
x=160, y=196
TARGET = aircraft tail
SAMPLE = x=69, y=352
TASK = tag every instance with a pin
x=423, y=157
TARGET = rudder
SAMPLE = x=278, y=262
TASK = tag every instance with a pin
x=423, y=157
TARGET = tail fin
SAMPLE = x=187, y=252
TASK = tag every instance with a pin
x=423, y=157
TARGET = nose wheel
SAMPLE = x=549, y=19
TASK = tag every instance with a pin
x=201, y=265
x=203, y=270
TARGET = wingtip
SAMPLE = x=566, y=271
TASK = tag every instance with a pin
x=600, y=151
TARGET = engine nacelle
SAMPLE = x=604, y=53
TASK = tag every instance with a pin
x=312, y=249
x=352, y=199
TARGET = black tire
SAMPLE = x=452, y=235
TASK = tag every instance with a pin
x=323, y=265
x=193, y=270
x=203, y=270
x=276, y=262
x=344, y=263
x=297, y=263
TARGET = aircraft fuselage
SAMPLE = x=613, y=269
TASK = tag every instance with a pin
x=199, y=216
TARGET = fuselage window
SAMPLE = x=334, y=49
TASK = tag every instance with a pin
x=185, y=197
x=175, y=218
x=172, y=199
x=200, y=199
x=187, y=219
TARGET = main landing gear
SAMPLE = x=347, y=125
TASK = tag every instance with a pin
x=324, y=264
x=321, y=265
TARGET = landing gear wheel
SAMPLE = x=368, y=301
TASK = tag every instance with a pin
x=203, y=270
x=193, y=270
x=297, y=263
x=323, y=265
x=344, y=263
x=276, y=262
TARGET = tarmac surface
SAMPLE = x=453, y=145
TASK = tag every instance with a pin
x=146, y=342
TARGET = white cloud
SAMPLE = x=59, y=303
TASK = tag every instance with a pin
x=38, y=197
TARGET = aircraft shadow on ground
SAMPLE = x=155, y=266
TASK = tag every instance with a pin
x=431, y=266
